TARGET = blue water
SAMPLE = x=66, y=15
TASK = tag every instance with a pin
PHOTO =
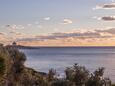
x=43, y=59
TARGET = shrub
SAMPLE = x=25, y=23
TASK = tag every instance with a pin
x=51, y=75
x=2, y=66
x=77, y=74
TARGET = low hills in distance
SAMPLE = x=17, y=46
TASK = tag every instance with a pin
x=14, y=44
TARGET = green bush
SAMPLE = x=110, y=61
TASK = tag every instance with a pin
x=77, y=74
x=2, y=66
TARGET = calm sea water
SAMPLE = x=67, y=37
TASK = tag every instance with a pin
x=43, y=59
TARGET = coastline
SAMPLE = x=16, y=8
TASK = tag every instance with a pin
x=38, y=47
x=19, y=75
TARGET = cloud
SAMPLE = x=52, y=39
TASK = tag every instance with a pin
x=85, y=38
x=14, y=26
x=67, y=21
x=2, y=33
x=29, y=25
x=109, y=31
x=106, y=18
x=47, y=18
x=89, y=34
x=112, y=0
x=95, y=17
x=105, y=6
x=80, y=36
x=39, y=26
x=36, y=22
x=4, y=38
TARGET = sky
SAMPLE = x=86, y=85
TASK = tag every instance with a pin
x=58, y=22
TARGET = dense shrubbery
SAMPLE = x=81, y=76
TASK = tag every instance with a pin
x=2, y=66
x=80, y=76
x=14, y=73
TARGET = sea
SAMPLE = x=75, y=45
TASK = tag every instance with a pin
x=59, y=58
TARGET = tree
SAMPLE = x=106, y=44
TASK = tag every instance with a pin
x=97, y=79
x=51, y=75
x=77, y=74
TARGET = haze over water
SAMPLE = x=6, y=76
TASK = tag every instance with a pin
x=44, y=58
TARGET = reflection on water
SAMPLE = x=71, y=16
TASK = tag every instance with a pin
x=59, y=58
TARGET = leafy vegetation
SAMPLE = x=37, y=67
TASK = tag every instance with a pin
x=2, y=66
x=14, y=73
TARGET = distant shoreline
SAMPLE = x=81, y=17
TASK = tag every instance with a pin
x=38, y=47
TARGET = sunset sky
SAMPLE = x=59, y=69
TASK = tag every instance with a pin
x=58, y=22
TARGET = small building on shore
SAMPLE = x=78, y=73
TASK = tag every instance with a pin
x=14, y=44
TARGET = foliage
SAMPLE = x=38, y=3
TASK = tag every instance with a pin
x=97, y=79
x=2, y=66
x=51, y=75
x=77, y=74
